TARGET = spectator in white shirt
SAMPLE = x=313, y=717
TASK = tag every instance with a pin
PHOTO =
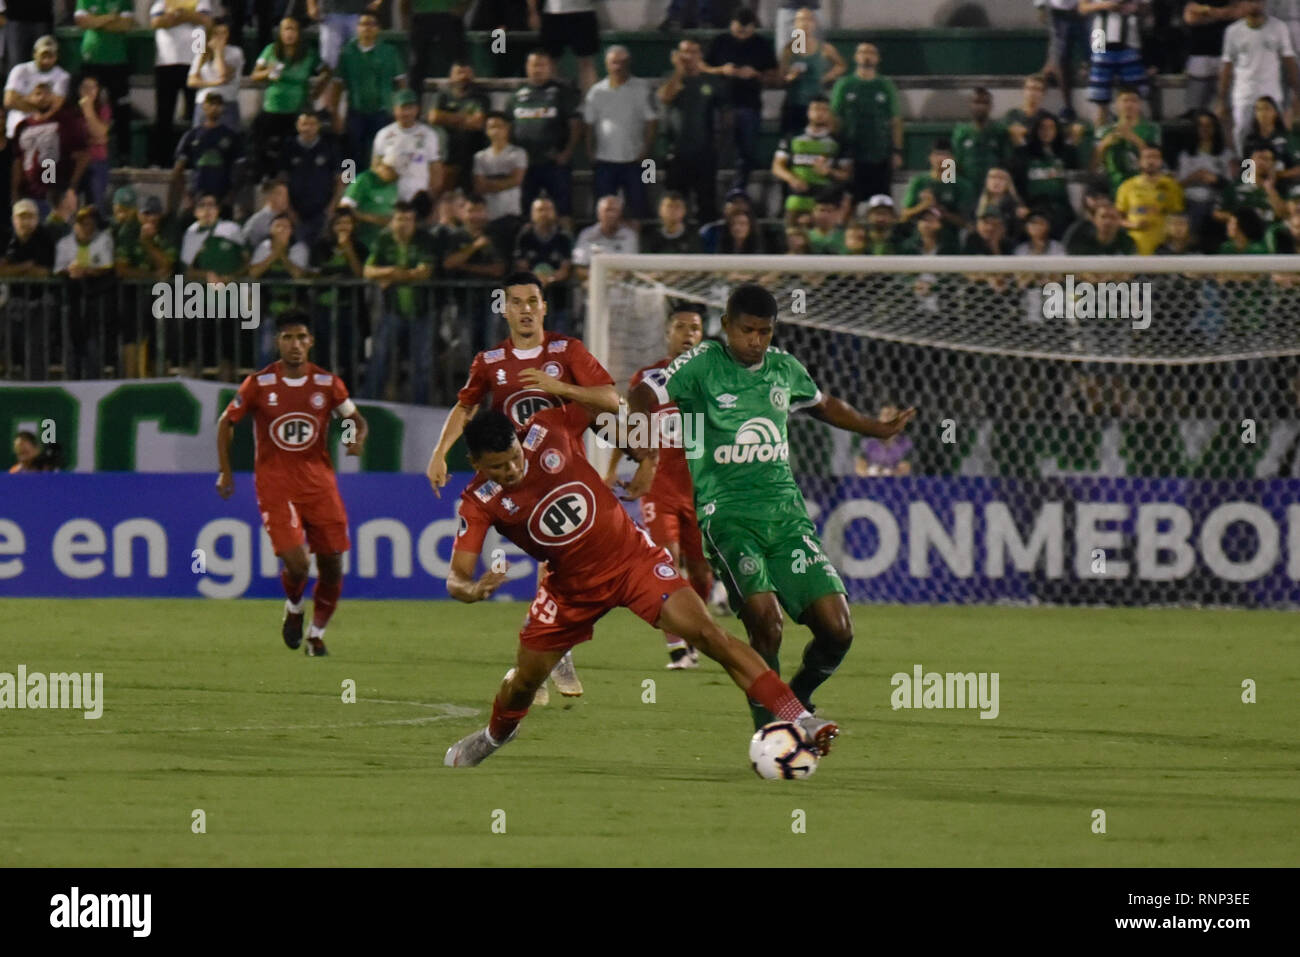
x=608, y=234
x=258, y=226
x=218, y=69
x=25, y=77
x=498, y=178
x=419, y=154
x=178, y=27
x=621, y=125
x=1256, y=49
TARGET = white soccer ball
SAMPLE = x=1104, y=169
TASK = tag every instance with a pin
x=782, y=750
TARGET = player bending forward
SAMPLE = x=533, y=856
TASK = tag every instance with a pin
x=753, y=518
x=545, y=496
x=531, y=370
x=668, y=504
x=292, y=401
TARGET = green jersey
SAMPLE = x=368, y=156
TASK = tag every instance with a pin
x=741, y=444
x=288, y=89
x=368, y=76
x=541, y=119
x=370, y=194
x=977, y=151
x=1121, y=157
x=104, y=46
x=866, y=109
x=690, y=115
x=1238, y=195
x=810, y=157
x=826, y=244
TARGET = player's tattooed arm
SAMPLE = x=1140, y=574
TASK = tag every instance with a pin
x=452, y=429
x=598, y=398
x=225, y=478
x=460, y=581
x=840, y=414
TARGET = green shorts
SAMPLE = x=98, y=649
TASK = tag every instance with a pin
x=767, y=553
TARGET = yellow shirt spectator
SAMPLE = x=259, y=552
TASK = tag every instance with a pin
x=1145, y=201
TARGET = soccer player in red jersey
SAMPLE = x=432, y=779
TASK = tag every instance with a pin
x=545, y=496
x=668, y=506
x=291, y=401
x=531, y=370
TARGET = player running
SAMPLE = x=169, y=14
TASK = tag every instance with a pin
x=752, y=516
x=531, y=370
x=292, y=401
x=668, y=506
x=545, y=496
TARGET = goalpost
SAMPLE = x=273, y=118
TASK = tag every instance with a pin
x=1091, y=429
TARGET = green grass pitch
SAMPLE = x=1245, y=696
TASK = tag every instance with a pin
x=1138, y=713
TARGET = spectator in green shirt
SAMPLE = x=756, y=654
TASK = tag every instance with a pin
x=811, y=160
x=929, y=238
x=942, y=187
x=1120, y=145
x=400, y=261
x=294, y=77
x=825, y=237
x=103, y=55
x=1106, y=238
x=981, y=143
x=1039, y=170
x=373, y=196
x=460, y=112
x=369, y=71
x=871, y=123
x=1245, y=234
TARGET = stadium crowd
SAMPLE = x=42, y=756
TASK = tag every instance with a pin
x=387, y=210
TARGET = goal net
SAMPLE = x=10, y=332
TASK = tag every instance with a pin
x=1100, y=430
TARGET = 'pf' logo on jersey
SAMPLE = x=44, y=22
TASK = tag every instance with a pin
x=564, y=515
x=522, y=406
x=293, y=432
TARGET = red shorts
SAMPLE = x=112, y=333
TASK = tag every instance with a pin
x=318, y=519
x=673, y=520
x=564, y=613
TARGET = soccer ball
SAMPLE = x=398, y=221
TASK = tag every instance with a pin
x=782, y=749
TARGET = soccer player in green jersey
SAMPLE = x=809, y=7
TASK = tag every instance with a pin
x=735, y=398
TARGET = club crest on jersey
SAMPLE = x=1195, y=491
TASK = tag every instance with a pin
x=317, y=400
x=665, y=571
x=495, y=355
x=294, y=431
x=747, y=565
x=557, y=346
x=780, y=397
x=523, y=405
x=564, y=515
x=485, y=491
x=534, y=437
x=552, y=369
x=552, y=461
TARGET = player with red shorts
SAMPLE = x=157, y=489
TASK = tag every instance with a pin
x=292, y=401
x=529, y=371
x=668, y=506
x=545, y=496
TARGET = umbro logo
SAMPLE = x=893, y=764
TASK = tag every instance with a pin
x=727, y=401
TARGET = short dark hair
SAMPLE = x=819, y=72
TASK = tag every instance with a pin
x=819, y=98
x=292, y=317
x=488, y=432
x=29, y=436
x=751, y=299
x=941, y=144
x=675, y=307
x=674, y=195
x=982, y=92
x=497, y=115
x=474, y=199
x=522, y=277
x=745, y=17
x=1126, y=90
x=403, y=206
x=1250, y=223
x=830, y=196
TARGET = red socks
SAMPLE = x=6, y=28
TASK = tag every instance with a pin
x=323, y=600
x=775, y=695
x=292, y=590
x=504, y=722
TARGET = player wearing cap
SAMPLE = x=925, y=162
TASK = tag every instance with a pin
x=292, y=401
x=418, y=155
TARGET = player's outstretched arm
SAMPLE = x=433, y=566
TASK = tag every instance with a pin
x=460, y=581
x=451, y=431
x=225, y=478
x=840, y=414
x=639, y=403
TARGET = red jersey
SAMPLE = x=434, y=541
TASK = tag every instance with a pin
x=291, y=420
x=672, y=481
x=497, y=371
x=562, y=512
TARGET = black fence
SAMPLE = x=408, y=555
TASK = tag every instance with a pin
x=408, y=343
